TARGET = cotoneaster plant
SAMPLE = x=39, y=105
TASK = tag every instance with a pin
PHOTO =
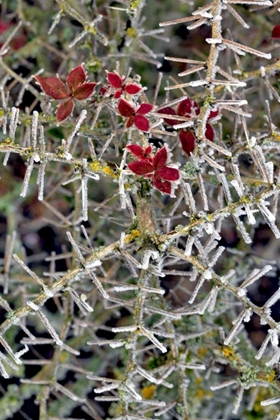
x=139, y=210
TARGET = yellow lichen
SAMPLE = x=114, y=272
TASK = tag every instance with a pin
x=148, y=392
x=228, y=352
x=98, y=166
x=270, y=376
x=202, y=351
x=131, y=32
x=108, y=171
x=133, y=235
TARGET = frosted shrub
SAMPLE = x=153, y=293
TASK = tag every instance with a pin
x=139, y=200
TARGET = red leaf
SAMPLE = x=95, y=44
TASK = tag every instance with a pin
x=132, y=89
x=4, y=26
x=276, y=32
x=213, y=114
x=209, y=133
x=84, y=91
x=148, y=151
x=135, y=149
x=160, y=158
x=76, y=77
x=144, y=109
x=18, y=42
x=53, y=87
x=114, y=80
x=125, y=109
x=187, y=106
x=129, y=122
x=187, y=139
x=163, y=186
x=170, y=174
x=64, y=109
x=169, y=111
x=141, y=167
x=118, y=94
x=184, y=107
x=142, y=123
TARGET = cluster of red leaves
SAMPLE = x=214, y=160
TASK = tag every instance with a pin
x=18, y=41
x=121, y=85
x=153, y=166
x=75, y=88
x=188, y=108
x=135, y=116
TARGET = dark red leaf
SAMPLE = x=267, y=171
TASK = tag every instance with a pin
x=84, y=91
x=276, y=32
x=213, y=114
x=144, y=109
x=184, y=107
x=4, y=26
x=187, y=139
x=160, y=158
x=142, y=123
x=148, y=151
x=114, y=80
x=170, y=174
x=169, y=111
x=53, y=87
x=18, y=42
x=118, y=94
x=209, y=133
x=76, y=77
x=125, y=109
x=132, y=89
x=163, y=186
x=129, y=122
x=136, y=150
x=64, y=109
x=141, y=167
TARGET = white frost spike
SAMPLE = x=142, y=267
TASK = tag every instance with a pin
x=242, y=230
x=255, y=275
x=263, y=347
x=273, y=337
x=270, y=401
x=189, y=244
x=49, y=327
x=19, y=353
x=238, y=400
x=275, y=358
x=76, y=128
x=92, y=264
x=226, y=189
x=154, y=340
x=271, y=301
x=247, y=316
x=106, y=388
x=34, y=129
x=146, y=259
x=13, y=122
x=223, y=385
x=236, y=325
x=125, y=329
x=237, y=187
x=27, y=176
x=32, y=305
x=269, y=218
